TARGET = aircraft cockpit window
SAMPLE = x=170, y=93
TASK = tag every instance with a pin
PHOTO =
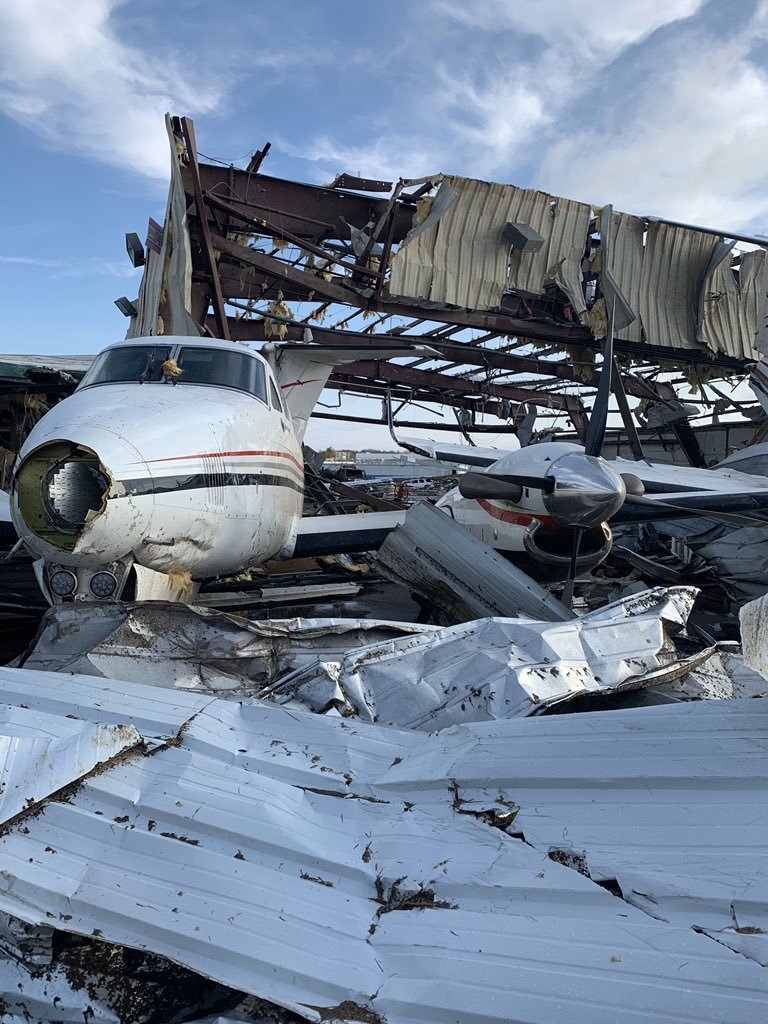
x=129, y=363
x=276, y=403
x=222, y=368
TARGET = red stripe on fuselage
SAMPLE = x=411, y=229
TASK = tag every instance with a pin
x=224, y=455
x=515, y=518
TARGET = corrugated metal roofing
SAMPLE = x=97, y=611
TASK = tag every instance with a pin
x=500, y=668
x=464, y=260
x=735, y=310
x=626, y=264
x=311, y=860
x=663, y=272
x=671, y=802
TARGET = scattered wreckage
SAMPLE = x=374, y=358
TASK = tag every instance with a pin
x=206, y=817
x=534, y=804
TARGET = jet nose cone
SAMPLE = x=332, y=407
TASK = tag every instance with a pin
x=586, y=492
x=68, y=501
x=58, y=488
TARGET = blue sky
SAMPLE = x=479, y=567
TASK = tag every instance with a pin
x=659, y=106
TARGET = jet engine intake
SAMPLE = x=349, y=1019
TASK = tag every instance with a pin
x=551, y=549
x=59, y=488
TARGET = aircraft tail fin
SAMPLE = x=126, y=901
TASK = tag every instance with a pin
x=302, y=371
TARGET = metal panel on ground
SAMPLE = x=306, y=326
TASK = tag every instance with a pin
x=439, y=559
x=402, y=899
x=669, y=802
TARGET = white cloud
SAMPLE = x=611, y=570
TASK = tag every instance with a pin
x=74, y=268
x=598, y=31
x=66, y=74
x=489, y=78
x=692, y=144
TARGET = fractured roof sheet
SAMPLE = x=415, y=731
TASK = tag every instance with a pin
x=669, y=801
x=464, y=260
x=499, y=668
x=735, y=309
x=661, y=276
x=312, y=861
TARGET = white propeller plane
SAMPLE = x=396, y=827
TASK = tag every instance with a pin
x=541, y=504
x=178, y=459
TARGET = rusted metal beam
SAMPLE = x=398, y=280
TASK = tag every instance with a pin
x=476, y=428
x=388, y=371
x=306, y=210
x=266, y=226
x=188, y=131
x=626, y=413
x=463, y=353
x=311, y=283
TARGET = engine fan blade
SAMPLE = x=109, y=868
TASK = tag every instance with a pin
x=593, y=444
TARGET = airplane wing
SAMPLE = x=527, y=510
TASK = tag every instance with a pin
x=677, y=492
x=462, y=454
x=336, y=535
x=302, y=371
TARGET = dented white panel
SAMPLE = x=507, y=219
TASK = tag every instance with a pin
x=403, y=902
x=41, y=753
x=499, y=668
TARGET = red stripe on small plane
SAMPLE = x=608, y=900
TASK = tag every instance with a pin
x=515, y=518
x=299, y=383
x=224, y=455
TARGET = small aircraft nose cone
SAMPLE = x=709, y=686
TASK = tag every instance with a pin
x=587, y=491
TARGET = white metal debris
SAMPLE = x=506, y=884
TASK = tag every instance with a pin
x=500, y=668
x=194, y=648
x=668, y=803
x=464, y=259
x=319, y=863
x=753, y=618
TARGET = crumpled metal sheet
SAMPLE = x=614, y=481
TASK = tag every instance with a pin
x=753, y=619
x=363, y=879
x=500, y=668
x=464, y=260
x=669, y=803
x=193, y=648
x=660, y=278
x=735, y=310
x=41, y=753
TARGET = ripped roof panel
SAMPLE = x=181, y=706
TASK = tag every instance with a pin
x=670, y=802
x=463, y=259
x=154, y=711
x=736, y=307
x=313, y=861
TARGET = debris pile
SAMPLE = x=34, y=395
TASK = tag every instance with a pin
x=570, y=868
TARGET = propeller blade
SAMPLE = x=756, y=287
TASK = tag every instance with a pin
x=486, y=485
x=567, y=598
x=502, y=486
x=637, y=509
x=599, y=418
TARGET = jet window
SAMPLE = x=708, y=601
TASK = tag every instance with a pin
x=276, y=403
x=223, y=369
x=131, y=363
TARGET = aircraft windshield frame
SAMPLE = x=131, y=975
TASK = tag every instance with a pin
x=235, y=369
x=222, y=368
x=129, y=363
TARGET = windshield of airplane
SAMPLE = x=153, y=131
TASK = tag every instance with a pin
x=222, y=368
x=193, y=365
x=133, y=362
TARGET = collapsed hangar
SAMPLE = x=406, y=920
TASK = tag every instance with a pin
x=511, y=289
